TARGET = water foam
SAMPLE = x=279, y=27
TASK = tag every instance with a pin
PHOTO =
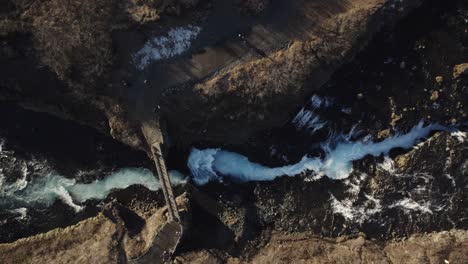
x=2, y=177
x=359, y=213
x=307, y=118
x=459, y=135
x=411, y=205
x=22, y=213
x=209, y=164
x=214, y=164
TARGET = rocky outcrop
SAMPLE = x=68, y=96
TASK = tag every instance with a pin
x=53, y=55
x=82, y=76
x=431, y=248
x=121, y=233
x=460, y=70
x=443, y=247
x=57, y=57
x=70, y=243
x=402, y=77
x=116, y=235
x=421, y=191
x=253, y=6
x=263, y=93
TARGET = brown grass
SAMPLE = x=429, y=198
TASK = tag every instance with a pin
x=73, y=37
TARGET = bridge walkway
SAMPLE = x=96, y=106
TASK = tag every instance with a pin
x=168, y=237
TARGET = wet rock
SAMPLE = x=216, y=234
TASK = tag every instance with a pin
x=383, y=134
x=142, y=12
x=402, y=65
x=394, y=119
x=434, y=95
x=253, y=6
x=380, y=198
x=122, y=129
x=460, y=70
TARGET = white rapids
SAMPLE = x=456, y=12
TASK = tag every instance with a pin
x=45, y=190
x=213, y=164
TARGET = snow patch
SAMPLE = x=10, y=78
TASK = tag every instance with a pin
x=177, y=41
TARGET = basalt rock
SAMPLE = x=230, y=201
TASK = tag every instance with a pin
x=460, y=70
x=421, y=191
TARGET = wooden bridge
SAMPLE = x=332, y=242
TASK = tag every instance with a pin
x=165, y=242
x=165, y=182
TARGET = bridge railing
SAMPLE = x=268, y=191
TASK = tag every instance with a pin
x=165, y=182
